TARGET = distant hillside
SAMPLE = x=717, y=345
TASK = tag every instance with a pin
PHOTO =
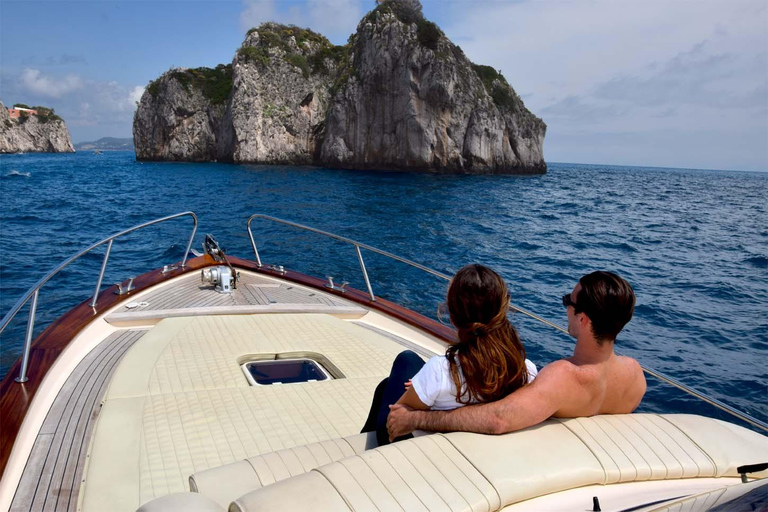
x=106, y=144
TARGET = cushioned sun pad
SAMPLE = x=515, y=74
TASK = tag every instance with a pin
x=179, y=402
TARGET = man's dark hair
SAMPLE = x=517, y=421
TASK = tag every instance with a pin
x=608, y=301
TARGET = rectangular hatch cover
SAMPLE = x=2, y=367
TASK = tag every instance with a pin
x=284, y=371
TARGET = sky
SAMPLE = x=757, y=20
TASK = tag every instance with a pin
x=663, y=83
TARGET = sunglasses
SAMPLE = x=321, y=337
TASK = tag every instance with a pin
x=567, y=301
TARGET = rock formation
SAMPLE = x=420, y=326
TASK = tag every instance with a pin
x=399, y=95
x=33, y=134
x=178, y=119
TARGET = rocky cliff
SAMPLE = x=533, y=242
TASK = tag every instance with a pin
x=399, y=95
x=33, y=134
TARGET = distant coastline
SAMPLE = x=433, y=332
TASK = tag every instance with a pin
x=106, y=144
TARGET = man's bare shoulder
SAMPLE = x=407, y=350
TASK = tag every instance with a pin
x=630, y=365
x=562, y=369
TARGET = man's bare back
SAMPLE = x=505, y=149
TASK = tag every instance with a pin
x=615, y=386
x=593, y=381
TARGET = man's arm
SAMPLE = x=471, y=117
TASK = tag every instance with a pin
x=553, y=387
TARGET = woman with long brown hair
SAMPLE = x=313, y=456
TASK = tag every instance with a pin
x=487, y=363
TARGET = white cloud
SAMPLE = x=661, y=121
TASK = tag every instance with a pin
x=256, y=12
x=48, y=86
x=335, y=19
x=135, y=94
x=629, y=67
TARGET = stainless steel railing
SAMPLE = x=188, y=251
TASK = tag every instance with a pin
x=34, y=291
x=358, y=245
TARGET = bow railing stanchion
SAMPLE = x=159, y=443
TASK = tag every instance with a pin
x=650, y=371
x=191, y=239
x=365, y=273
x=253, y=242
x=101, y=274
x=33, y=292
x=22, y=378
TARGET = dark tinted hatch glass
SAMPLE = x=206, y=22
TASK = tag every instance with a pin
x=288, y=371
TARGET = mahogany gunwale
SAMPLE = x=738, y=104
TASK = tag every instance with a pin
x=16, y=398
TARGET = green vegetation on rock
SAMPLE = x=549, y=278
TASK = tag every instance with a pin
x=313, y=48
x=496, y=85
x=428, y=33
x=299, y=61
x=153, y=88
x=407, y=11
x=336, y=54
x=258, y=55
x=214, y=83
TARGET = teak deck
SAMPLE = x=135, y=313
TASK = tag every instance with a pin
x=52, y=477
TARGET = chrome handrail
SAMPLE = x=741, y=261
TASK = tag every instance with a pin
x=35, y=289
x=359, y=245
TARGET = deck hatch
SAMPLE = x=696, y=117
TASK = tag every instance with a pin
x=284, y=371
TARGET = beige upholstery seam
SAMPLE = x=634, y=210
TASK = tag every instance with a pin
x=175, y=451
x=313, y=464
x=714, y=466
x=341, y=495
x=618, y=447
x=184, y=432
x=586, y=445
x=416, y=445
x=622, y=449
x=321, y=445
x=427, y=481
x=349, y=445
x=682, y=467
x=401, y=478
x=625, y=421
x=381, y=481
x=714, y=495
x=138, y=464
x=245, y=421
x=362, y=488
x=159, y=455
x=254, y=470
x=208, y=427
x=254, y=422
x=462, y=471
x=417, y=472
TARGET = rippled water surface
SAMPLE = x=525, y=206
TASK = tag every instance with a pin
x=694, y=244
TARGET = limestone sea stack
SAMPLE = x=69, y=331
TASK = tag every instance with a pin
x=44, y=132
x=399, y=95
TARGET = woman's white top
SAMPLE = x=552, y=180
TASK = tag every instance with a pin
x=436, y=388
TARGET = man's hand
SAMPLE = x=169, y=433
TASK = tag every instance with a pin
x=399, y=422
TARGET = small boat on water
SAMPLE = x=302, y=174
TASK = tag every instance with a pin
x=221, y=383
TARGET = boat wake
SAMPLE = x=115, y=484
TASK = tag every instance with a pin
x=15, y=173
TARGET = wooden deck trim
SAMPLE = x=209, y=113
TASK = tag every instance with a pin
x=15, y=398
x=53, y=474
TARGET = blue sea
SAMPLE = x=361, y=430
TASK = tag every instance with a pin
x=693, y=243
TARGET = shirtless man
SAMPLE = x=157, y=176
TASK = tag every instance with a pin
x=592, y=381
